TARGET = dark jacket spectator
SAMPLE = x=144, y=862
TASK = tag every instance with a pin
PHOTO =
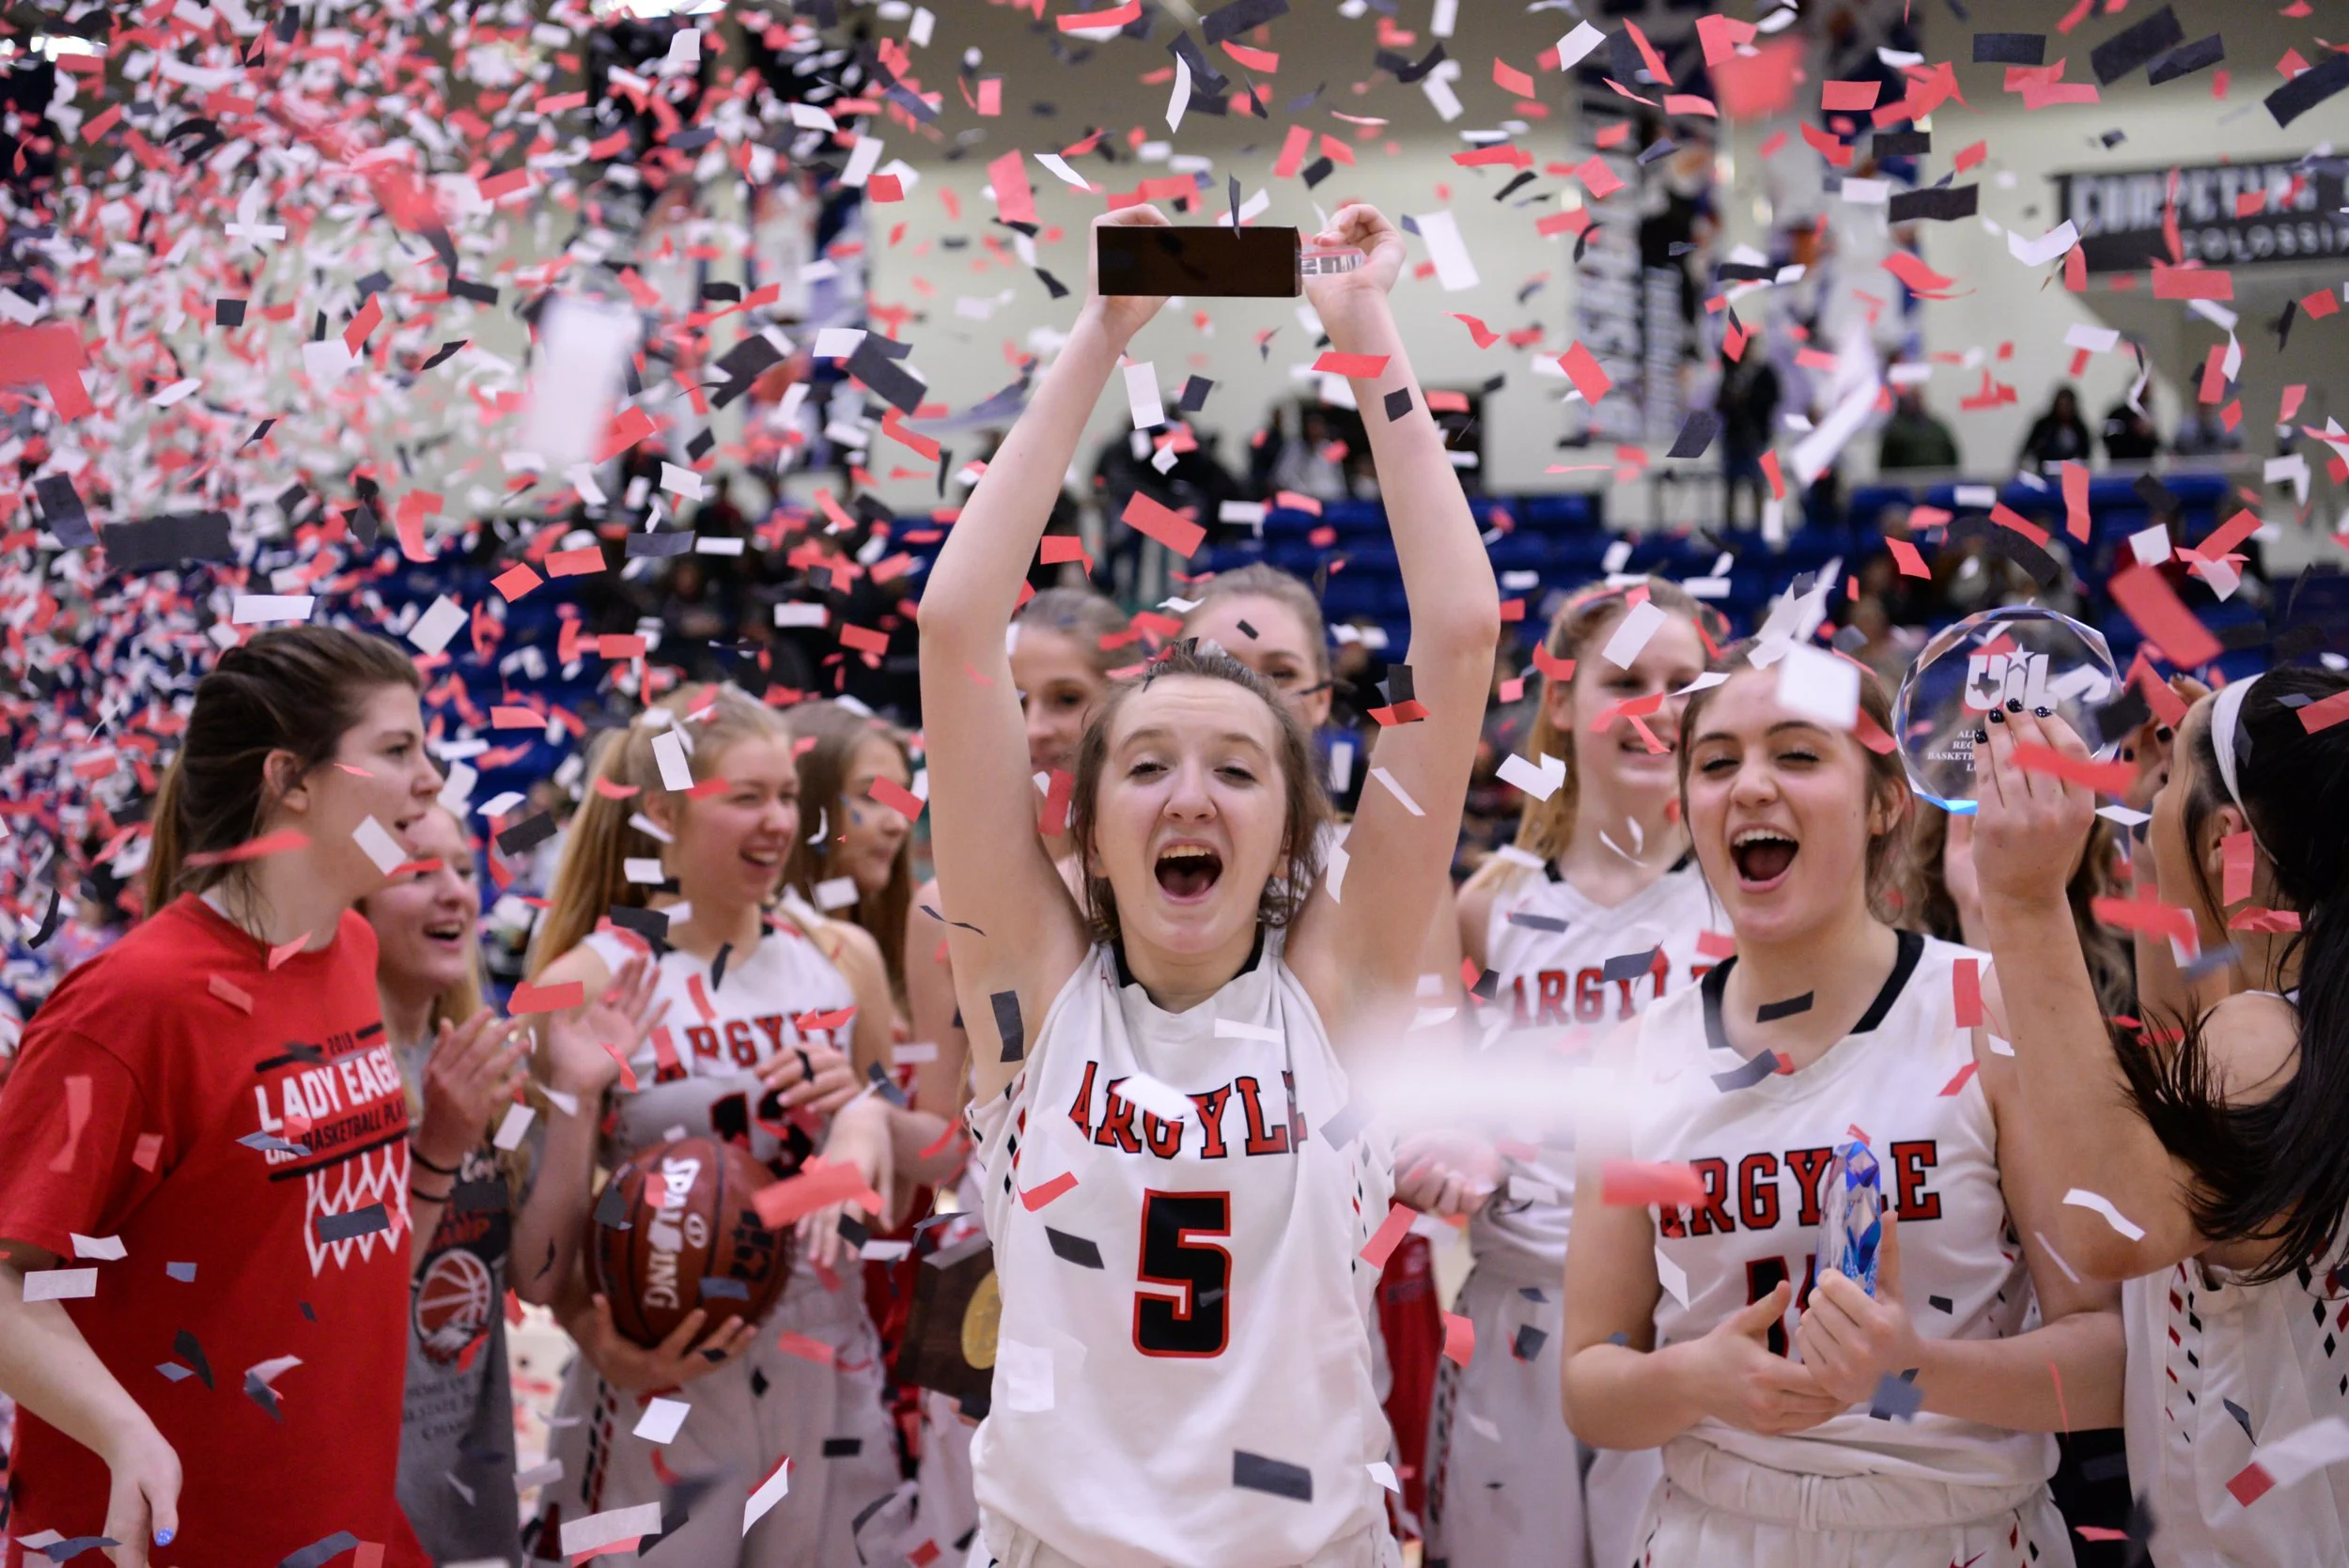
x=1914, y=439
x=2060, y=436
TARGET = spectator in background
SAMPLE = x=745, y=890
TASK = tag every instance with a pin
x=1913, y=438
x=718, y=516
x=2203, y=433
x=2060, y=435
x=2129, y=433
x=1194, y=481
x=1302, y=462
x=1748, y=404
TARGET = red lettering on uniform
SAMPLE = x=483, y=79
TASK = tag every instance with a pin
x=1553, y=996
x=704, y=1040
x=1716, y=1210
x=1117, y=1122
x=1669, y=1224
x=740, y=1043
x=1261, y=1139
x=1757, y=1191
x=1810, y=1168
x=1590, y=996
x=772, y=1026
x=1909, y=1163
x=1520, y=1019
x=1212, y=1144
x=1165, y=1138
x=1081, y=1112
x=1297, y=1116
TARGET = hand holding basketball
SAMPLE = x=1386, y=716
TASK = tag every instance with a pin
x=475, y=1068
x=1734, y=1377
x=621, y=1019
x=2029, y=826
x=677, y=1360
x=1852, y=1341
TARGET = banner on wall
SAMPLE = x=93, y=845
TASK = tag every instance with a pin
x=2253, y=213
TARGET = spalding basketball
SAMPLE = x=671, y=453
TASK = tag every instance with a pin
x=675, y=1230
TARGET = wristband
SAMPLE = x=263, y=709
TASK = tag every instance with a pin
x=416, y=1155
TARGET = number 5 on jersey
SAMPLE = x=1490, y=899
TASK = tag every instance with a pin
x=1182, y=1306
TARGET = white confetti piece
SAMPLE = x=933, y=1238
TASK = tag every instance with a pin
x=614, y=1523
x=2151, y=546
x=668, y=750
x=2097, y=340
x=1384, y=1473
x=328, y=360
x=912, y=1053
x=1820, y=684
x=61, y=1284
x=863, y=159
x=645, y=870
x=836, y=892
x=1162, y=1100
x=1673, y=1278
x=662, y=1419
x=837, y=342
x=1632, y=632
x=2080, y=1197
x=2302, y=1453
x=1142, y=396
x=437, y=625
x=918, y=30
x=501, y=802
x=176, y=392
x=537, y=1475
x=1062, y=171
x=1232, y=1029
x=580, y=370
x=265, y=609
x=2039, y=252
x=1515, y=771
x=1024, y=1377
x=106, y=1249
x=1396, y=790
x=374, y=840
x=766, y=1495
x=1576, y=46
x=513, y=1127
x=1455, y=268
x=1180, y=99
x=808, y=117
x=567, y=1104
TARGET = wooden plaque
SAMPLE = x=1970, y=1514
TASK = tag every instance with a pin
x=950, y=1332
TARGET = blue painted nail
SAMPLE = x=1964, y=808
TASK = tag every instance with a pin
x=163, y=1537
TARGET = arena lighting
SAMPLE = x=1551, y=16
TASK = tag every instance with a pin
x=48, y=46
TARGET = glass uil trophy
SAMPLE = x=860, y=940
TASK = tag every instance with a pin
x=1851, y=1216
x=2017, y=652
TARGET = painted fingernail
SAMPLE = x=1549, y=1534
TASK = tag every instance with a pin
x=163, y=1537
x=1981, y=737
x=2044, y=712
x=2162, y=735
x=2015, y=704
x=1997, y=717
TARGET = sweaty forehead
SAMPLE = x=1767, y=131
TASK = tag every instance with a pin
x=1197, y=707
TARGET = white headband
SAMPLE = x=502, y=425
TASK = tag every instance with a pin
x=2226, y=715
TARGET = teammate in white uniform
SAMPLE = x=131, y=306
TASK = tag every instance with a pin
x=2226, y=1151
x=755, y=1010
x=1909, y=1429
x=1601, y=872
x=1176, y=1187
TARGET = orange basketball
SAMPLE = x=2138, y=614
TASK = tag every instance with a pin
x=676, y=1229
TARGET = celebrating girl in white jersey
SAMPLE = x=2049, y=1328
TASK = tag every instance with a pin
x=1908, y=1428
x=1601, y=878
x=757, y=1007
x=1175, y=1193
x=2207, y=1165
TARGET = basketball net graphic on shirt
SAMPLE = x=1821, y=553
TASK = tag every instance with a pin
x=376, y=1177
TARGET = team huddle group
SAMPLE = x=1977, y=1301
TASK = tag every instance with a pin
x=272, y=1176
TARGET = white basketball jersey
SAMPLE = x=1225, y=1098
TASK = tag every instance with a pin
x=1184, y=1371
x=699, y=1070
x=1905, y=1079
x=2216, y=1369
x=1551, y=947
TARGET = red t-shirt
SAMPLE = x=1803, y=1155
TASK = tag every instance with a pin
x=148, y=1105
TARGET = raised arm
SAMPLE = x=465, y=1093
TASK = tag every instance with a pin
x=993, y=872
x=1373, y=925
x=2075, y=1107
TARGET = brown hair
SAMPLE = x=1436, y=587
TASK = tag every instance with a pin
x=836, y=731
x=1083, y=617
x=1257, y=579
x=296, y=689
x=1307, y=806
x=591, y=877
x=1927, y=907
x=1887, y=778
x=1544, y=827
